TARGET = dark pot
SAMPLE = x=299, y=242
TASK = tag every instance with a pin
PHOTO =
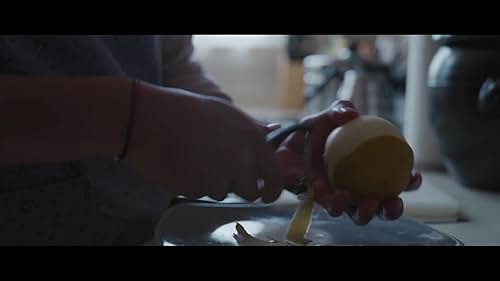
x=464, y=84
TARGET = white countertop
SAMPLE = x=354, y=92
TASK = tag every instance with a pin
x=478, y=209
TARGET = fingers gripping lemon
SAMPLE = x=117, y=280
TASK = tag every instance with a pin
x=368, y=157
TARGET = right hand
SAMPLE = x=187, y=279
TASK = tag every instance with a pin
x=199, y=146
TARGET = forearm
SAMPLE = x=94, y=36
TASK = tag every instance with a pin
x=45, y=119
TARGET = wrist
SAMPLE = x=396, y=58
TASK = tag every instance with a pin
x=62, y=118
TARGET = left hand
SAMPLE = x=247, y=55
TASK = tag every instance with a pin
x=290, y=156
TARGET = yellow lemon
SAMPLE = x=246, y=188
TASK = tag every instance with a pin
x=369, y=157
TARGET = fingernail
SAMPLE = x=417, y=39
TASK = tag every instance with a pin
x=341, y=109
x=344, y=103
x=417, y=183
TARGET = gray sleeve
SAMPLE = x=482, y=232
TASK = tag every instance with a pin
x=180, y=70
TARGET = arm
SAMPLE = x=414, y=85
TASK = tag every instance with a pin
x=45, y=119
x=179, y=70
x=53, y=119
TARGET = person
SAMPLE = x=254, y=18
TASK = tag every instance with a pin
x=71, y=106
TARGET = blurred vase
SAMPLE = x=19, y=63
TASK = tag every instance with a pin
x=464, y=84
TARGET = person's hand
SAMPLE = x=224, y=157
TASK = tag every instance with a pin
x=199, y=146
x=335, y=201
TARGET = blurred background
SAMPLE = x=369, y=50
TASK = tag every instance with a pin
x=441, y=91
x=285, y=76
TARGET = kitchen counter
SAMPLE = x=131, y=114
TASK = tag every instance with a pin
x=479, y=223
x=466, y=214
